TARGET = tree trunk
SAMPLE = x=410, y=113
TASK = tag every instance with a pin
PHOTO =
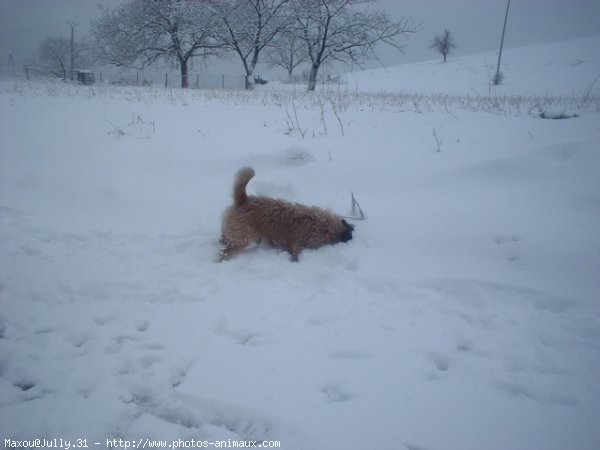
x=249, y=81
x=250, y=74
x=184, y=73
x=250, y=70
x=312, y=79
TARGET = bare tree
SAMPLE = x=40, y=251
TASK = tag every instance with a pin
x=53, y=55
x=288, y=52
x=249, y=26
x=345, y=30
x=58, y=55
x=142, y=32
x=443, y=43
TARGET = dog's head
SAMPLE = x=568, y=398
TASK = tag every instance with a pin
x=346, y=235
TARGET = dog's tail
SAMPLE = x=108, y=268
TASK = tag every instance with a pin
x=239, y=187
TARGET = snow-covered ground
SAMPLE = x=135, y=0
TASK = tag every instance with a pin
x=465, y=314
x=561, y=68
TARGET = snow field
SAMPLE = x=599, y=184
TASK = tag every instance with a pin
x=463, y=314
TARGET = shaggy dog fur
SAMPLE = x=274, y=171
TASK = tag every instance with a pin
x=280, y=224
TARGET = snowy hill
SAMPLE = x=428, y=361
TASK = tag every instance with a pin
x=562, y=68
x=464, y=314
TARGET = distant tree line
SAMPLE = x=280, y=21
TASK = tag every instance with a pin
x=139, y=33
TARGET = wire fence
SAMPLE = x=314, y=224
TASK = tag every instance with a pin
x=173, y=79
x=167, y=79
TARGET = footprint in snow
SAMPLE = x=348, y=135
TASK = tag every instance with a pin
x=78, y=340
x=441, y=362
x=464, y=345
x=179, y=373
x=334, y=393
x=437, y=364
x=501, y=239
x=24, y=385
x=142, y=325
x=201, y=416
x=240, y=336
x=45, y=330
x=118, y=342
x=510, y=243
x=103, y=320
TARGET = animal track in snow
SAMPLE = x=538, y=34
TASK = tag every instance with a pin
x=79, y=339
x=24, y=385
x=118, y=342
x=142, y=325
x=121, y=339
x=103, y=320
x=206, y=417
x=510, y=243
x=505, y=238
x=334, y=393
x=28, y=387
x=45, y=330
x=178, y=373
x=441, y=362
x=240, y=336
x=463, y=344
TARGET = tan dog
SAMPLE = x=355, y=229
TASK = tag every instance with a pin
x=280, y=224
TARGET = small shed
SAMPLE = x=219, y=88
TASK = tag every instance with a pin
x=85, y=77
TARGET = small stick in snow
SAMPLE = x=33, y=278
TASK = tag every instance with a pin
x=437, y=141
x=356, y=207
x=117, y=129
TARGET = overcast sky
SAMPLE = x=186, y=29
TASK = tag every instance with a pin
x=476, y=24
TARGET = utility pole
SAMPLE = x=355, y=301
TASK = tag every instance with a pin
x=498, y=77
x=11, y=65
x=72, y=63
